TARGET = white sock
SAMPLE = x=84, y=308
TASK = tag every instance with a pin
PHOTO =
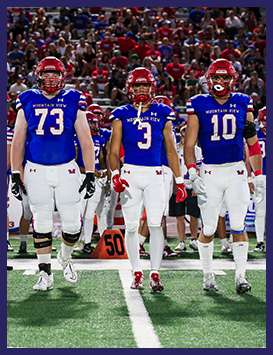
x=66, y=250
x=7, y=235
x=156, y=247
x=224, y=241
x=165, y=243
x=141, y=238
x=230, y=238
x=259, y=227
x=206, y=256
x=23, y=237
x=44, y=258
x=87, y=230
x=240, y=250
x=132, y=248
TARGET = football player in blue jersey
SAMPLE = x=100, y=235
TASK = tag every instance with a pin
x=260, y=208
x=220, y=120
x=90, y=206
x=49, y=116
x=142, y=128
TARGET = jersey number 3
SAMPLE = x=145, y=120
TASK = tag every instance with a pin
x=146, y=135
x=43, y=112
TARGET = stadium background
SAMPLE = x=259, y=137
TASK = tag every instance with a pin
x=180, y=13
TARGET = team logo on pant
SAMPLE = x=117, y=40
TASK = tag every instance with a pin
x=126, y=171
x=158, y=172
x=207, y=172
x=240, y=172
x=72, y=171
x=34, y=170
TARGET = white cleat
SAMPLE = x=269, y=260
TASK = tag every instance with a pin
x=69, y=271
x=80, y=246
x=209, y=283
x=45, y=282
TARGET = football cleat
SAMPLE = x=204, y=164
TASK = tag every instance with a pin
x=155, y=283
x=181, y=247
x=45, y=282
x=209, y=283
x=22, y=248
x=10, y=248
x=87, y=249
x=226, y=249
x=142, y=251
x=194, y=244
x=137, y=282
x=241, y=285
x=259, y=247
x=167, y=252
x=69, y=270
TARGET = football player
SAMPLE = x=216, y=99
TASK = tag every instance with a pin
x=220, y=120
x=168, y=182
x=260, y=208
x=10, y=133
x=49, y=116
x=142, y=127
x=90, y=206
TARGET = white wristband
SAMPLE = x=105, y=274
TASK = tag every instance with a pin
x=249, y=179
x=179, y=180
x=115, y=172
x=16, y=172
x=192, y=171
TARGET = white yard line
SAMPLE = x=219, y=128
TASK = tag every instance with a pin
x=142, y=327
x=117, y=264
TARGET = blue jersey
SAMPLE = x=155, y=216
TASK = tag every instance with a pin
x=164, y=158
x=221, y=126
x=98, y=145
x=262, y=141
x=50, y=133
x=142, y=143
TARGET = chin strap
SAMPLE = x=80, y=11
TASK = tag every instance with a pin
x=138, y=118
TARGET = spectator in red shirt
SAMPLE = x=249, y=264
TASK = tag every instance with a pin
x=201, y=70
x=260, y=44
x=176, y=46
x=107, y=44
x=168, y=89
x=164, y=31
x=175, y=69
x=83, y=89
x=126, y=44
x=70, y=70
x=230, y=50
x=181, y=30
x=141, y=49
x=99, y=81
x=220, y=22
x=169, y=11
x=118, y=61
x=10, y=113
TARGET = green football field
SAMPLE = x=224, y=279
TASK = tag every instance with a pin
x=100, y=310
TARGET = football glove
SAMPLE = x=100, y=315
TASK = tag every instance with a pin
x=118, y=183
x=181, y=194
x=17, y=185
x=89, y=184
x=259, y=192
x=198, y=185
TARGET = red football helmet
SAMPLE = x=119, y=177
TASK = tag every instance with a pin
x=93, y=122
x=141, y=75
x=262, y=119
x=221, y=68
x=98, y=111
x=161, y=99
x=50, y=64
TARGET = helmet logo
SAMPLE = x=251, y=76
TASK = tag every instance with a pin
x=220, y=71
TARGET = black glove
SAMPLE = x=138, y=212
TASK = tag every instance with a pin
x=16, y=185
x=89, y=183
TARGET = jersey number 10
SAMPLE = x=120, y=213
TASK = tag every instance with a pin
x=215, y=121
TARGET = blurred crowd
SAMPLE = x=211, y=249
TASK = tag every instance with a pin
x=100, y=46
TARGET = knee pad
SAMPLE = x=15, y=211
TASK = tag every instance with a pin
x=42, y=244
x=208, y=231
x=154, y=221
x=70, y=239
x=237, y=227
x=131, y=228
x=260, y=212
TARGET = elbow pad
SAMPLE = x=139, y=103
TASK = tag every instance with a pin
x=249, y=130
